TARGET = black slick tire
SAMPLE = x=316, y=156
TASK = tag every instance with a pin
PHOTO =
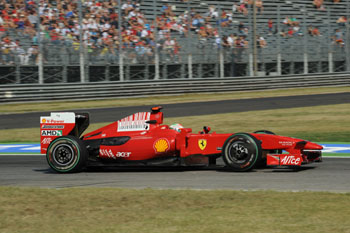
x=263, y=162
x=241, y=152
x=66, y=154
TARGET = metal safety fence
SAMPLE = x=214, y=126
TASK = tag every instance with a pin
x=103, y=90
x=91, y=41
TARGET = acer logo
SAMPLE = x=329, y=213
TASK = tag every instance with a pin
x=123, y=154
x=109, y=153
x=290, y=160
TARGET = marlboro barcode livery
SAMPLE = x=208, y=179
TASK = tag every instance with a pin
x=142, y=139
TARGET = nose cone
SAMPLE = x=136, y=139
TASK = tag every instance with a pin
x=313, y=146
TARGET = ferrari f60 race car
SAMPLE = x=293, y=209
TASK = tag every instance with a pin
x=141, y=139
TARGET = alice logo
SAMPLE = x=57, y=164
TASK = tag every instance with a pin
x=161, y=145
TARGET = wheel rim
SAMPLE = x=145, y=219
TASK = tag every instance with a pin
x=63, y=154
x=239, y=152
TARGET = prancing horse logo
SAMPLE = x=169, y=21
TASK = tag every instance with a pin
x=202, y=143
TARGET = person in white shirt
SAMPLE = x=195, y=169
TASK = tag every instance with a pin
x=23, y=57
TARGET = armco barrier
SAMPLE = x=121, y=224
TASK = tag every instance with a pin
x=103, y=90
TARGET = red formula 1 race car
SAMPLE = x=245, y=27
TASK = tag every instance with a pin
x=141, y=139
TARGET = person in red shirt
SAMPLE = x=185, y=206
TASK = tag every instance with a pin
x=270, y=26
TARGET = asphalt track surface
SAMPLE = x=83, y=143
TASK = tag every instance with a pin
x=31, y=120
x=332, y=175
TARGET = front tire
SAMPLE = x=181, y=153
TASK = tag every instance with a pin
x=66, y=154
x=241, y=152
x=265, y=132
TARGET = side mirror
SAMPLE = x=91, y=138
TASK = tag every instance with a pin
x=151, y=122
x=156, y=109
x=206, y=129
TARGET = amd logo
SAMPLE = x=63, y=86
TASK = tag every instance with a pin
x=51, y=133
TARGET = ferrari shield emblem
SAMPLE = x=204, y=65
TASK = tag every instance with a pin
x=202, y=143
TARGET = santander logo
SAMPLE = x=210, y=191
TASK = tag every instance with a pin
x=290, y=160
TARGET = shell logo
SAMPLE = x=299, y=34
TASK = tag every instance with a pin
x=44, y=120
x=161, y=145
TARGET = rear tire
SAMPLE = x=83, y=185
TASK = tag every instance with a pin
x=241, y=152
x=66, y=154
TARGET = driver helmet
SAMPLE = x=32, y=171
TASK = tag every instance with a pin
x=176, y=127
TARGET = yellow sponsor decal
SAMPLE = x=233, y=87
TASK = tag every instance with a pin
x=161, y=145
x=202, y=143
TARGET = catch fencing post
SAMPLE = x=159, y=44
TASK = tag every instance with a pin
x=330, y=53
x=81, y=47
x=221, y=49
x=251, y=44
x=120, y=48
x=40, y=52
x=279, y=57
x=189, y=38
x=306, y=64
x=156, y=52
x=255, y=48
x=347, y=59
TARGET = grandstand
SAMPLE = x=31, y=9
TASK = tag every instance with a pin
x=306, y=43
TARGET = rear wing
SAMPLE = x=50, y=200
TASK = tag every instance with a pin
x=61, y=124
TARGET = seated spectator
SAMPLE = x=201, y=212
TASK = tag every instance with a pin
x=338, y=38
x=7, y=50
x=235, y=8
x=313, y=31
x=32, y=54
x=243, y=8
x=259, y=6
x=290, y=32
x=231, y=39
x=261, y=42
x=169, y=45
x=218, y=41
x=286, y=21
x=316, y=32
x=225, y=43
x=212, y=14
x=341, y=21
x=293, y=21
x=318, y=4
x=176, y=51
x=270, y=26
x=283, y=33
x=241, y=28
x=22, y=55
x=296, y=29
x=224, y=19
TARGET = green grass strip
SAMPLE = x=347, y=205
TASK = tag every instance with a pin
x=33, y=210
x=159, y=100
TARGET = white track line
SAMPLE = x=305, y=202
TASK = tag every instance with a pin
x=335, y=157
x=22, y=154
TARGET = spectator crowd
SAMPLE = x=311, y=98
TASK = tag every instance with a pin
x=139, y=37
